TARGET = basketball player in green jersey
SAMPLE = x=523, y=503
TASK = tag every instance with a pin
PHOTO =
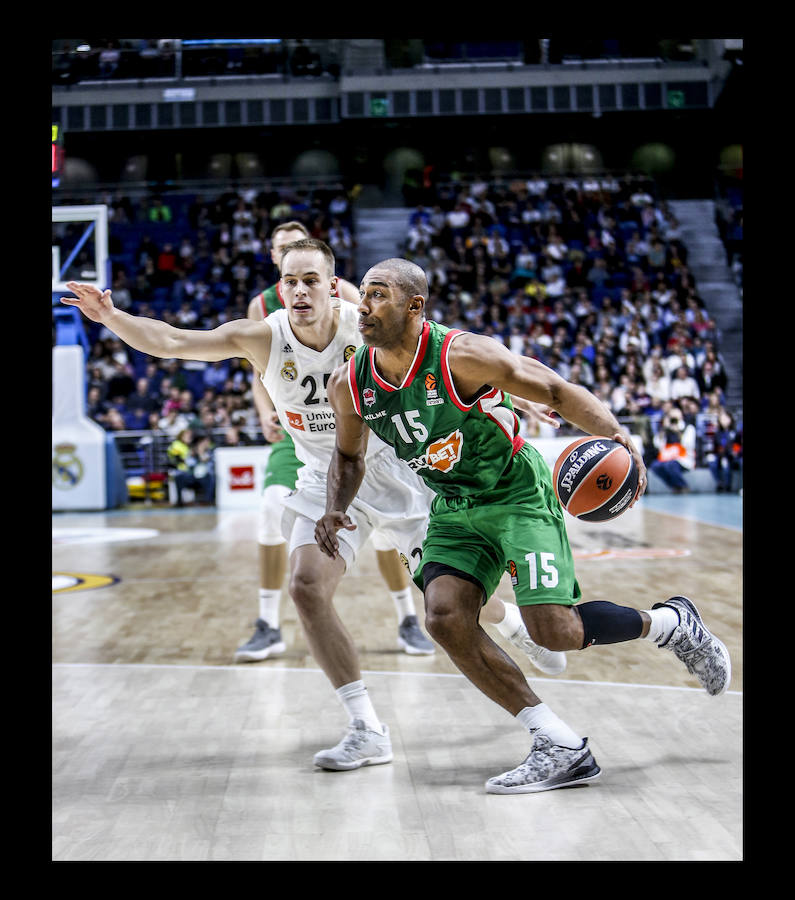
x=281, y=472
x=441, y=398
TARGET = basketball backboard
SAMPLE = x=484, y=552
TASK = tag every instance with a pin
x=79, y=246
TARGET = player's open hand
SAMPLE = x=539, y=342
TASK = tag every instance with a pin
x=326, y=530
x=91, y=301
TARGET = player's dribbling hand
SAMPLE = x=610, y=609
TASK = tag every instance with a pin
x=326, y=530
x=641, y=466
x=91, y=301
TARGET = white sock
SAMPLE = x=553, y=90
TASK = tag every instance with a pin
x=404, y=603
x=269, y=602
x=512, y=622
x=663, y=621
x=541, y=718
x=356, y=700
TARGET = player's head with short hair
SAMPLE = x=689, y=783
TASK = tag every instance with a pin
x=310, y=243
x=293, y=225
x=408, y=277
x=392, y=305
x=285, y=234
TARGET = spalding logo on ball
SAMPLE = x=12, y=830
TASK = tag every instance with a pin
x=595, y=479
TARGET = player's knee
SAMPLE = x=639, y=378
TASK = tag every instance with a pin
x=554, y=627
x=306, y=592
x=446, y=623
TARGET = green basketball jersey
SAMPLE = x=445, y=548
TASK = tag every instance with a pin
x=460, y=449
x=271, y=299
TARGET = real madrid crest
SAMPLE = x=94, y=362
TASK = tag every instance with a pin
x=67, y=469
x=289, y=371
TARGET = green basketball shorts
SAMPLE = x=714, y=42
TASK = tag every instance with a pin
x=282, y=465
x=517, y=528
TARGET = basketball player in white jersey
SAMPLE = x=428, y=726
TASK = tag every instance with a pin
x=280, y=478
x=296, y=350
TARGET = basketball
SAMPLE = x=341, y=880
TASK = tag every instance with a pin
x=595, y=479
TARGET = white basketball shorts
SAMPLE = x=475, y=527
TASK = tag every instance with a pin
x=392, y=500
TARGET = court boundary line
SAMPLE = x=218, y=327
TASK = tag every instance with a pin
x=269, y=670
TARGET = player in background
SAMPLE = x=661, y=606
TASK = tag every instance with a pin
x=442, y=399
x=281, y=473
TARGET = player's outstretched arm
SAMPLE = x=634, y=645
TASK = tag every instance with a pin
x=240, y=337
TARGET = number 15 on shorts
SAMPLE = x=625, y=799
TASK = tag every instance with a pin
x=541, y=567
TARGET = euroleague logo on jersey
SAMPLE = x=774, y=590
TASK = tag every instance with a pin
x=432, y=397
x=440, y=455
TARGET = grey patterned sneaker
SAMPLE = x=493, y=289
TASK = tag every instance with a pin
x=551, y=662
x=412, y=640
x=548, y=766
x=359, y=747
x=265, y=642
x=703, y=654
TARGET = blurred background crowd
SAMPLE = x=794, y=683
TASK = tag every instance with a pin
x=589, y=276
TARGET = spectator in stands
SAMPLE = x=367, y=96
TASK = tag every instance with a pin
x=191, y=464
x=114, y=420
x=186, y=315
x=234, y=436
x=420, y=231
x=727, y=452
x=676, y=450
x=215, y=375
x=339, y=208
x=598, y=274
x=159, y=211
x=634, y=337
x=172, y=420
x=109, y=59
x=684, y=385
x=458, y=220
x=96, y=406
x=658, y=383
x=341, y=242
x=144, y=396
x=709, y=378
x=121, y=289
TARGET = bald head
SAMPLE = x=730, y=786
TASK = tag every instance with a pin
x=406, y=276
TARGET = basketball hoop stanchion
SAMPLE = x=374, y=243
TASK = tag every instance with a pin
x=80, y=451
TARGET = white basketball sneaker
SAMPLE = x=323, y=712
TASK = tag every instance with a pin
x=550, y=662
x=703, y=654
x=548, y=766
x=359, y=747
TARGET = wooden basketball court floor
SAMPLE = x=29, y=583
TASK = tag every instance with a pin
x=164, y=750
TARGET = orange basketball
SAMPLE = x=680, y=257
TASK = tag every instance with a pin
x=595, y=479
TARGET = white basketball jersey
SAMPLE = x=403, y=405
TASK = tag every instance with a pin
x=296, y=380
